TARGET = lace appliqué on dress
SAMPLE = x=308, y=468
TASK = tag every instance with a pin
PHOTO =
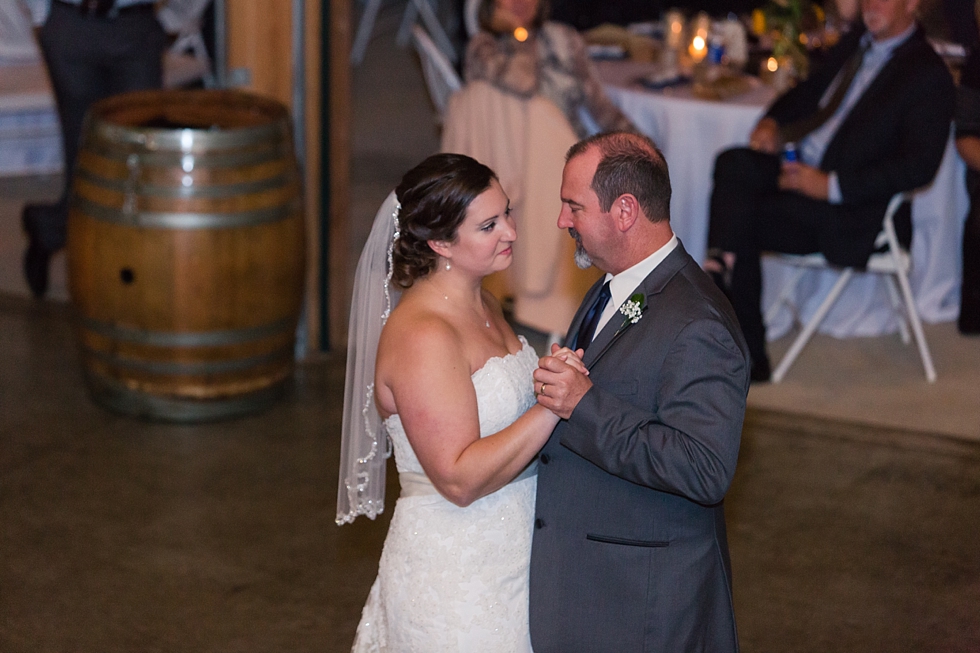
x=455, y=579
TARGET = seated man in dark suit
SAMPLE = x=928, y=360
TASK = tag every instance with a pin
x=871, y=122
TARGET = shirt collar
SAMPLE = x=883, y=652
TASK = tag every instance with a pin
x=887, y=46
x=622, y=285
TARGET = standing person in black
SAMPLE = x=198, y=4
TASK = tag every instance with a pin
x=93, y=49
x=872, y=121
x=968, y=145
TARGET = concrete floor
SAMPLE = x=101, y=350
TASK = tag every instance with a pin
x=853, y=516
x=124, y=535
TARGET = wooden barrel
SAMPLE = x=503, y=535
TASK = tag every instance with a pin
x=186, y=253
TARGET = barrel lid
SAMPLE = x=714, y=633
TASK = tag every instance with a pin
x=188, y=121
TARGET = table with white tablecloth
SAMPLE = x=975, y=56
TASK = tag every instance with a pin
x=691, y=132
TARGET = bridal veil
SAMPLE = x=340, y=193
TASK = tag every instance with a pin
x=364, y=445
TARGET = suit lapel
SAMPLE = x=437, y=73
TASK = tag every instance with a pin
x=650, y=287
x=870, y=100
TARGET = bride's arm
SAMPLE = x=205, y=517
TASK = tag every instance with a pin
x=429, y=378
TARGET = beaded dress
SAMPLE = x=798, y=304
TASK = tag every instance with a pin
x=452, y=579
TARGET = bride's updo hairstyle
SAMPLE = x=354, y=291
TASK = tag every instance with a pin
x=434, y=196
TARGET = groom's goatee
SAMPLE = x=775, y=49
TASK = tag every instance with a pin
x=582, y=259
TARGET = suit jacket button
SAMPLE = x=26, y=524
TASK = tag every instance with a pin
x=539, y=523
x=545, y=458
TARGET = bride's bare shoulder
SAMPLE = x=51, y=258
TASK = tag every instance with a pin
x=414, y=332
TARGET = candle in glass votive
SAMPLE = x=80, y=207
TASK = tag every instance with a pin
x=702, y=25
x=698, y=48
x=674, y=22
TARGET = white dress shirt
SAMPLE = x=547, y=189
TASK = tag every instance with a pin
x=622, y=285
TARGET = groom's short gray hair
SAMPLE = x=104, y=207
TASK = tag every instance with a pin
x=629, y=163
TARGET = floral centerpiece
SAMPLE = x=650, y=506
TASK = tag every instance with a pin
x=786, y=23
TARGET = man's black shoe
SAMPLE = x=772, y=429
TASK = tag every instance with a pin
x=36, y=261
x=37, y=257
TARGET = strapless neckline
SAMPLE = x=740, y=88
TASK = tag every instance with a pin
x=488, y=364
x=494, y=360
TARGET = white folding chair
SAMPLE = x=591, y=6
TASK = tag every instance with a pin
x=440, y=76
x=471, y=17
x=893, y=263
x=413, y=9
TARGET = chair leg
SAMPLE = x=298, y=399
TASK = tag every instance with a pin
x=784, y=294
x=424, y=9
x=913, y=315
x=408, y=19
x=899, y=306
x=364, y=29
x=811, y=326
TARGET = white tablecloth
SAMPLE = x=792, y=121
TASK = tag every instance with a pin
x=691, y=133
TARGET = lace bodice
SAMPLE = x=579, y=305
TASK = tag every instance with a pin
x=504, y=390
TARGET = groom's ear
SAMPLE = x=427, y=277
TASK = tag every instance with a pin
x=625, y=211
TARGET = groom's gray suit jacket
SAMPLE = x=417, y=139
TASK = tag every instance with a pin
x=630, y=552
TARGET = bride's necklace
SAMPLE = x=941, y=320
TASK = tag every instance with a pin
x=486, y=320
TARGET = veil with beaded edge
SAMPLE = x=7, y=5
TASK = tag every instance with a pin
x=364, y=445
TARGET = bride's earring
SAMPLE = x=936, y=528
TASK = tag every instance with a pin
x=448, y=267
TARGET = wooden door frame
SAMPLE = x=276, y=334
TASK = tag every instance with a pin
x=259, y=38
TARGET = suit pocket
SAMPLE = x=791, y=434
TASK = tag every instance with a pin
x=606, y=539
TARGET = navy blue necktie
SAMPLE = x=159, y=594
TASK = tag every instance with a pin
x=585, y=332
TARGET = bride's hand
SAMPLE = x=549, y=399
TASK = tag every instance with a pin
x=573, y=358
x=561, y=381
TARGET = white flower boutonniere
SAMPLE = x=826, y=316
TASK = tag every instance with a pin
x=633, y=307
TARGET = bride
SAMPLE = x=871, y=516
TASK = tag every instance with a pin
x=452, y=387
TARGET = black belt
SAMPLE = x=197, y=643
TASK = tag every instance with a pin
x=106, y=8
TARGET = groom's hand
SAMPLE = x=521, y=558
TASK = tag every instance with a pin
x=573, y=358
x=560, y=385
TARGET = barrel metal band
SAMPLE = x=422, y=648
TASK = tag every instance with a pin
x=201, y=367
x=208, y=159
x=119, y=396
x=217, y=191
x=173, y=220
x=190, y=140
x=189, y=339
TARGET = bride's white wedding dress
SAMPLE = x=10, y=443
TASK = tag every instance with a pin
x=455, y=579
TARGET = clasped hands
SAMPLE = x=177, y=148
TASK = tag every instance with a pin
x=561, y=380
x=793, y=175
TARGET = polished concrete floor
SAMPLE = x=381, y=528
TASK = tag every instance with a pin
x=853, y=517
x=118, y=534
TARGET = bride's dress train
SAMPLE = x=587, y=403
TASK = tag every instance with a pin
x=455, y=579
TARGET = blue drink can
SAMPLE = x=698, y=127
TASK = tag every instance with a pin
x=716, y=51
x=789, y=152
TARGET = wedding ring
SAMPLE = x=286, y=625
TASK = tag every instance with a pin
x=542, y=388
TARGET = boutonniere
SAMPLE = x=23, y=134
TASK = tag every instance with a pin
x=633, y=308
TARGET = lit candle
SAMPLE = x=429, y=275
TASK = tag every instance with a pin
x=772, y=64
x=520, y=34
x=698, y=49
x=675, y=28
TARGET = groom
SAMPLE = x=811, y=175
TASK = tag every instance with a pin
x=629, y=550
